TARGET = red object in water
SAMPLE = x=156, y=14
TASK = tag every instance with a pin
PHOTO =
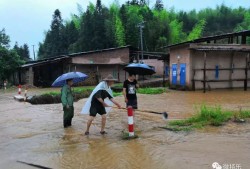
x=130, y=121
x=19, y=89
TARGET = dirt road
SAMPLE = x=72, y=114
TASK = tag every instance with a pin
x=34, y=134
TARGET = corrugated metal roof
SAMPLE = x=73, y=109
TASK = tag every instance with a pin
x=54, y=59
x=41, y=62
x=220, y=47
x=210, y=38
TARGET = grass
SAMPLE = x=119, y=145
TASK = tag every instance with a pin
x=151, y=90
x=84, y=89
x=125, y=136
x=83, y=92
x=207, y=116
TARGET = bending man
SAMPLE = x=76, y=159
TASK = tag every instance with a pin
x=97, y=103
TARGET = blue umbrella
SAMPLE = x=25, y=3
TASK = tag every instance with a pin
x=139, y=69
x=76, y=76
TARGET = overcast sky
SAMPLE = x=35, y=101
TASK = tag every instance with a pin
x=26, y=20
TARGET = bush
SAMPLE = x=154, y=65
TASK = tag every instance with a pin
x=55, y=97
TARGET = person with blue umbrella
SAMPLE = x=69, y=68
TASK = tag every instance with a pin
x=67, y=102
x=67, y=80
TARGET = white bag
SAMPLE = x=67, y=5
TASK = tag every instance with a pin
x=101, y=86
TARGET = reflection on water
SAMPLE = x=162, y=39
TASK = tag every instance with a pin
x=35, y=134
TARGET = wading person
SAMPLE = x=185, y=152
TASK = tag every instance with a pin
x=129, y=90
x=100, y=102
x=67, y=102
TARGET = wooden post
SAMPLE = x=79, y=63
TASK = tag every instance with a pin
x=243, y=39
x=97, y=74
x=193, y=81
x=231, y=71
x=118, y=72
x=164, y=73
x=246, y=72
x=204, y=73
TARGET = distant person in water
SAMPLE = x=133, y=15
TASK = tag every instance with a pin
x=100, y=102
x=67, y=102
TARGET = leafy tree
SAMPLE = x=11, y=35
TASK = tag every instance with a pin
x=99, y=27
x=70, y=35
x=197, y=30
x=9, y=62
x=4, y=39
x=245, y=24
x=22, y=51
x=86, y=32
x=54, y=43
x=176, y=32
x=98, y=41
x=159, y=5
x=119, y=33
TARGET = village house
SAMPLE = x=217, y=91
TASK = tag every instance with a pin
x=96, y=64
x=220, y=61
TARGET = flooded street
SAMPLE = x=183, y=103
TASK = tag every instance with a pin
x=35, y=134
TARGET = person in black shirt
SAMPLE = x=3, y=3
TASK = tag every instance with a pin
x=98, y=105
x=129, y=90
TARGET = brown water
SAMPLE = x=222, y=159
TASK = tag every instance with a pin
x=34, y=134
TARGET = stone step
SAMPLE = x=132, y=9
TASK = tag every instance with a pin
x=19, y=98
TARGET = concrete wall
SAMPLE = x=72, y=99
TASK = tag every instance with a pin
x=103, y=63
x=223, y=59
x=117, y=56
x=102, y=71
x=157, y=64
x=184, y=57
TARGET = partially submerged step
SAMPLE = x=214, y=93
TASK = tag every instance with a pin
x=19, y=98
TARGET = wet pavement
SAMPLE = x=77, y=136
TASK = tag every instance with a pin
x=34, y=134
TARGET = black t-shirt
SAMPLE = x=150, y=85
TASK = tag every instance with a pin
x=100, y=94
x=130, y=89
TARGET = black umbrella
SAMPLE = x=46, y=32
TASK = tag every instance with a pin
x=139, y=69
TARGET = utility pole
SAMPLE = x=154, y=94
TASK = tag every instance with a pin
x=34, y=52
x=141, y=26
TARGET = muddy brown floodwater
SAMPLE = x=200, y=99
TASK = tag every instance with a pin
x=34, y=134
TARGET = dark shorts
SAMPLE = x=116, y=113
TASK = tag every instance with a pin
x=132, y=103
x=94, y=110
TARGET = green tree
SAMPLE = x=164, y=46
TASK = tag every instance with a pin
x=26, y=53
x=119, y=33
x=9, y=62
x=4, y=39
x=70, y=36
x=99, y=38
x=54, y=43
x=245, y=24
x=176, y=32
x=197, y=30
x=22, y=51
x=159, y=5
x=86, y=32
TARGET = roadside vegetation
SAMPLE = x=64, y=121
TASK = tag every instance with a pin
x=79, y=90
x=51, y=97
x=208, y=116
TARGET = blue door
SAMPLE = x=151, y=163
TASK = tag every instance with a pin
x=174, y=74
x=182, y=74
x=166, y=71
